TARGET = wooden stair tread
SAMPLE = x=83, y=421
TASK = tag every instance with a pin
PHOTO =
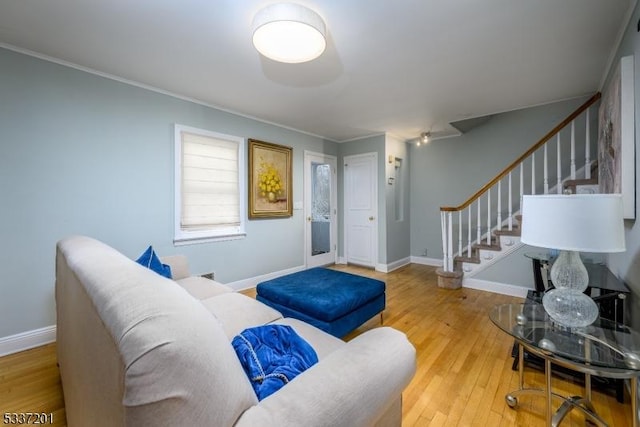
x=571, y=182
x=513, y=232
x=461, y=259
x=496, y=247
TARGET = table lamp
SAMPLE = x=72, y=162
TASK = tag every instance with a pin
x=572, y=223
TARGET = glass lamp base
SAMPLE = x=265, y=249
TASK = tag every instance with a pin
x=570, y=308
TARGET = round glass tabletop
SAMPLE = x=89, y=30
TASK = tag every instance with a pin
x=604, y=343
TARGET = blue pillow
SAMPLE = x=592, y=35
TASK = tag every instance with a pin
x=150, y=260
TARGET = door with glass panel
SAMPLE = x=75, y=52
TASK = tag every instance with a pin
x=320, y=209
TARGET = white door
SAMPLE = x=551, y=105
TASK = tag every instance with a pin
x=361, y=209
x=320, y=209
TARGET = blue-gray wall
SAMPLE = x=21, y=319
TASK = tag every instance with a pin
x=627, y=265
x=445, y=172
x=83, y=154
x=398, y=230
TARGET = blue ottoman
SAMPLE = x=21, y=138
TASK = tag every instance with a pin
x=331, y=300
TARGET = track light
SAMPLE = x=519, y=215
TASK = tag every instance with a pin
x=424, y=138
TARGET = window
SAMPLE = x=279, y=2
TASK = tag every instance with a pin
x=210, y=189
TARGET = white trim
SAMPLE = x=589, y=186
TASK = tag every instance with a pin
x=388, y=268
x=252, y=282
x=152, y=88
x=423, y=260
x=357, y=138
x=26, y=340
x=341, y=260
x=495, y=287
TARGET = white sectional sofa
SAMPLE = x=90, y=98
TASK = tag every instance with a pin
x=137, y=349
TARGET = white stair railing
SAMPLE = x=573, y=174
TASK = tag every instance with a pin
x=491, y=202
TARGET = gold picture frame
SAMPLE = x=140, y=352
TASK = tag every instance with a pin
x=270, y=180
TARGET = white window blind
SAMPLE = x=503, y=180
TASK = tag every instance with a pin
x=210, y=185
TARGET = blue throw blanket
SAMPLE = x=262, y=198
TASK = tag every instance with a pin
x=272, y=355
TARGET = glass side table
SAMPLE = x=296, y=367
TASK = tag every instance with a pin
x=605, y=349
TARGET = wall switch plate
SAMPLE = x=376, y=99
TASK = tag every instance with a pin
x=297, y=206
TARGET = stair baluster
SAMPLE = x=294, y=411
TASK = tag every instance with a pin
x=459, y=233
x=479, y=223
x=559, y=167
x=469, y=232
x=489, y=216
x=546, y=171
x=573, y=149
x=533, y=173
x=587, y=145
x=499, y=210
x=510, y=203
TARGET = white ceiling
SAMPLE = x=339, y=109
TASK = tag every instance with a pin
x=397, y=66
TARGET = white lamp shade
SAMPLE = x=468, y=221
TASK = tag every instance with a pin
x=576, y=222
x=289, y=32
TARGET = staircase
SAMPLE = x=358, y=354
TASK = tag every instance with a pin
x=486, y=227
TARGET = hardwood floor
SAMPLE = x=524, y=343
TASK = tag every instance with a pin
x=464, y=362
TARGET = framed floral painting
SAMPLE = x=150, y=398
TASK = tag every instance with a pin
x=270, y=185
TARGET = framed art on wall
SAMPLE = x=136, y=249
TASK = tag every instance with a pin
x=616, y=137
x=270, y=183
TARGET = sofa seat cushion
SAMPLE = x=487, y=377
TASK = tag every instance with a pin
x=323, y=343
x=203, y=288
x=321, y=293
x=237, y=312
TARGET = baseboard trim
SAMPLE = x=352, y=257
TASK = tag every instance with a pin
x=495, y=287
x=26, y=340
x=423, y=260
x=388, y=268
x=252, y=282
x=341, y=260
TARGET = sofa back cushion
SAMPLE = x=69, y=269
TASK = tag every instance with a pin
x=176, y=364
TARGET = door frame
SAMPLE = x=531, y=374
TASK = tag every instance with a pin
x=309, y=156
x=345, y=205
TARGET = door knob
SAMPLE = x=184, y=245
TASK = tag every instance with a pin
x=371, y=218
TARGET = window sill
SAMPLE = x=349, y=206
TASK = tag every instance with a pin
x=183, y=241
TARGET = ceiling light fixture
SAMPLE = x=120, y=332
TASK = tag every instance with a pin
x=289, y=32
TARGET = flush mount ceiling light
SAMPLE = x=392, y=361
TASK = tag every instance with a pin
x=289, y=32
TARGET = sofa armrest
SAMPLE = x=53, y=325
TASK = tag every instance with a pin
x=353, y=386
